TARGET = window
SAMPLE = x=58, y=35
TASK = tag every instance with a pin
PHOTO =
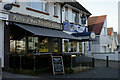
x=17, y=46
x=75, y=17
x=73, y=46
x=41, y=6
x=56, y=45
x=83, y=19
x=43, y=45
x=37, y=45
x=55, y=9
x=66, y=46
x=80, y=46
x=66, y=13
x=32, y=44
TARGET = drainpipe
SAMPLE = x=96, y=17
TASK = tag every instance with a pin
x=61, y=19
x=61, y=10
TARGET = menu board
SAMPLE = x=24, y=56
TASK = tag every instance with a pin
x=58, y=67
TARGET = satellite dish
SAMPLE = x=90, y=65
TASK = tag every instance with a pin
x=8, y=6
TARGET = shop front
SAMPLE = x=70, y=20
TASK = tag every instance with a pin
x=29, y=42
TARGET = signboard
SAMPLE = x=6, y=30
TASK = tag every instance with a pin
x=3, y=16
x=57, y=63
x=34, y=21
x=73, y=27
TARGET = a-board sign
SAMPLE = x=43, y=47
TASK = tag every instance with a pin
x=58, y=67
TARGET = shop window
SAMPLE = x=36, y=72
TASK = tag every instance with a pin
x=56, y=45
x=17, y=46
x=41, y=5
x=73, y=46
x=32, y=44
x=66, y=13
x=43, y=45
x=80, y=46
x=66, y=46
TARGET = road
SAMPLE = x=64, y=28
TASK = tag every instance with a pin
x=100, y=71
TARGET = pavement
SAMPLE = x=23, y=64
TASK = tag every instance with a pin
x=100, y=71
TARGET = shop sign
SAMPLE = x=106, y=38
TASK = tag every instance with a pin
x=34, y=21
x=73, y=27
x=3, y=16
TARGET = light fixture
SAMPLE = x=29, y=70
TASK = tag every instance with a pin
x=8, y=6
x=7, y=23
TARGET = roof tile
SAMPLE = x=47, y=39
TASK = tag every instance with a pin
x=95, y=24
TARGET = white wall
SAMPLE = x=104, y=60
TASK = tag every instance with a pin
x=2, y=42
x=115, y=56
x=22, y=9
x=119, y=18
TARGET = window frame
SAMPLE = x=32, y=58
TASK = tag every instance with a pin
x=42, y=7
x=66, y=14
x=75, y=18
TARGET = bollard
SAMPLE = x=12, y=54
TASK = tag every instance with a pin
x=107, y=62
x=93, y=62
x=34, y=64
x=20, y=62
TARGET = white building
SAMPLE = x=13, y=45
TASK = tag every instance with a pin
x=39, y=24
x=113, y=36
x=119, y=17
x=98, y=24
x=72, y=14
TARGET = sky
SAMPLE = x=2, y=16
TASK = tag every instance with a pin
x=103, y=7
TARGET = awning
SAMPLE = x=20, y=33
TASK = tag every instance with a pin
x=85, y=35
x=46, y=32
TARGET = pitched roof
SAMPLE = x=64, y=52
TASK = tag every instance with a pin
x=78, y=6
x=109, y=31
x=95, y=24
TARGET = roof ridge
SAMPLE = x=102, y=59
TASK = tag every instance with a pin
x=110, y=27
x=99, y=16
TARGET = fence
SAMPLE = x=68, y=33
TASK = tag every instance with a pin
x=112, y=56
x=43, y=62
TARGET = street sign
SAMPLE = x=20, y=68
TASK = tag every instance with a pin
x=57, y=63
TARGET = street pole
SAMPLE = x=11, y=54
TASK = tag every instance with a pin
x=107, y=61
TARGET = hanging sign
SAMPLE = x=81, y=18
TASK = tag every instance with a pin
x=73, y=28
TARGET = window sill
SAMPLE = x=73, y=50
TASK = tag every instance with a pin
x=55, y=16
x=37, y=11
x=16, y=5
